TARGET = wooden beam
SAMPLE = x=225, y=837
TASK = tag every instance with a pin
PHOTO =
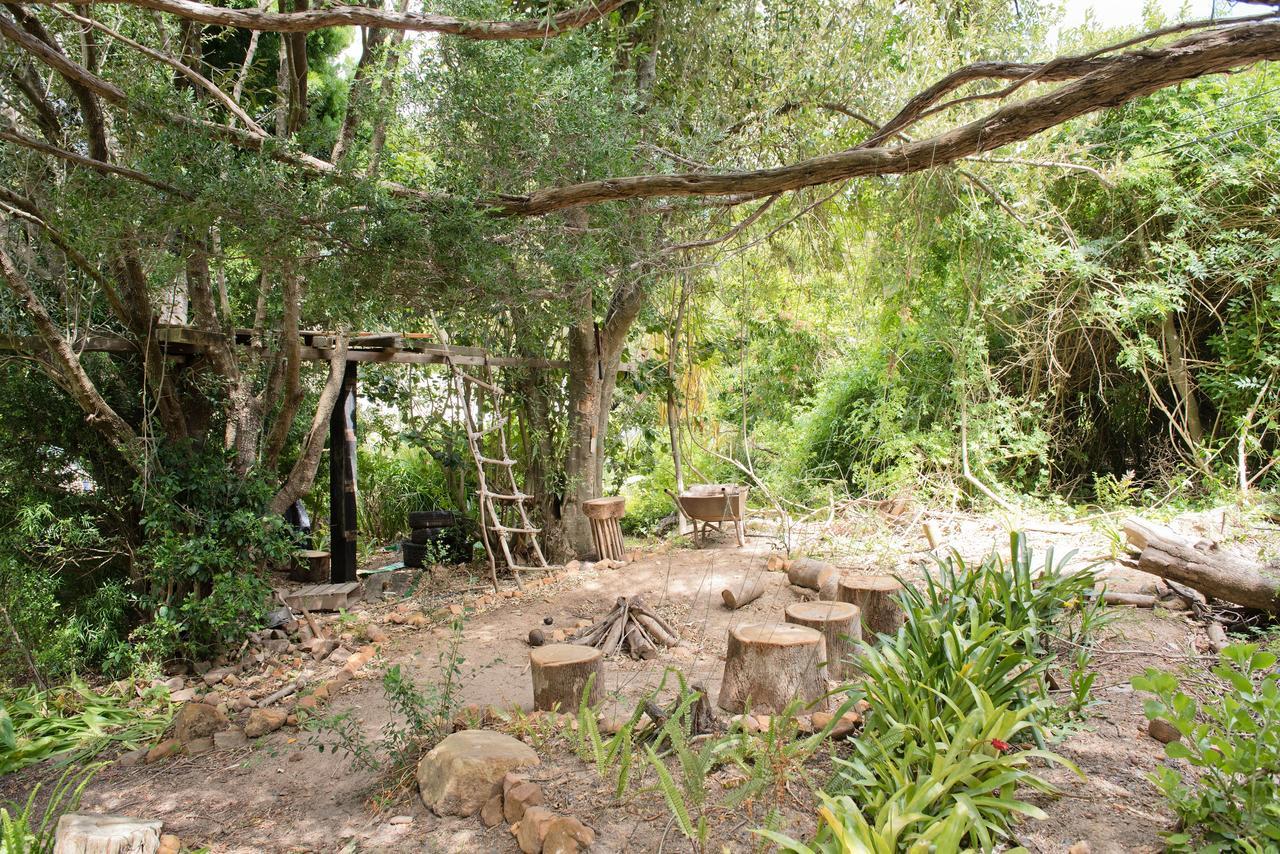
x=370, y=347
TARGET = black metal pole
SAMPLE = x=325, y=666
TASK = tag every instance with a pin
x=342, y=481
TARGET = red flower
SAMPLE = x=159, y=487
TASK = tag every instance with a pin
x=1002, y=746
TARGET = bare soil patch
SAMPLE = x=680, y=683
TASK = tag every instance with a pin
x=282, y=794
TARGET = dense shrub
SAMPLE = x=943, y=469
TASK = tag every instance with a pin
x=1232, y=801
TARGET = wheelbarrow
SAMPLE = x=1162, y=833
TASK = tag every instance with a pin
x=714, y=503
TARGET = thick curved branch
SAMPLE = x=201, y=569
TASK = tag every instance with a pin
x=303, y=473
x=364, y=16
x=37, y=40
x=1055, y=70
x=1116, y=81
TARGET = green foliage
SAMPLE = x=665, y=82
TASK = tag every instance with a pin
x=73, y=724
x=25, y=829
x=394, y=481
x=1231, y=802
x=958, y=710
x=201, y=519
x=1019, y=598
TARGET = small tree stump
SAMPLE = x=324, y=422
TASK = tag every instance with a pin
x=810, y=573
x=560, y=673
x=82, y=833
x=840, y=625
x=768, y=665
x=875, y=597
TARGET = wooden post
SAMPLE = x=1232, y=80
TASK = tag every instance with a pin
x=342, y=481
x=560, y=673
x=875, y=597
x=841, y=625
x=768, y=665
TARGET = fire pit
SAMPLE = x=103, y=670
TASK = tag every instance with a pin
x=715, y=503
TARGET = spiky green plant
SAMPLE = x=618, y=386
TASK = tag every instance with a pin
x=25, y=830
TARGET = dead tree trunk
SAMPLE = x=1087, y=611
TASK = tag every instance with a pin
x=1203, y=566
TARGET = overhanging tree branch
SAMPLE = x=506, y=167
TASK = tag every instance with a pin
x=365, y=16
x=1117, y=80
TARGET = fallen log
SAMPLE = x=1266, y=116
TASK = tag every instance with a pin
x=746, y=590
x=1202, y=566
x=807, y=572
x=1137, y=600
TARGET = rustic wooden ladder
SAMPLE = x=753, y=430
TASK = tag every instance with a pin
x=490, y=518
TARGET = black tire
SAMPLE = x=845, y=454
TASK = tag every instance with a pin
x=431, y=519
x=420, y=536
x=413, y=554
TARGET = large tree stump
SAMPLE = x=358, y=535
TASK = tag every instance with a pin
x=875, y=596
x=82, y=833
x=807, y=572
x=560, y=673
x=768, y=665
x=841, y=627
x=1202, y=565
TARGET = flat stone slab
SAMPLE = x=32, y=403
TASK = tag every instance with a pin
x=324, y=597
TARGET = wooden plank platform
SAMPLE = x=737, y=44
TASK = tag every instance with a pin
x=324, y=597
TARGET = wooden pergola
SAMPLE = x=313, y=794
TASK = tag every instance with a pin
x=317, y=346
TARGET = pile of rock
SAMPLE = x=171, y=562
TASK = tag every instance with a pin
x=537, y=829
x=205, y=723
x=478, y=771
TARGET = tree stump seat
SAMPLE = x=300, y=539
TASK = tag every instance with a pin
x=876, y=598
x=768, y=665
x=560, y=673
x=841, y=627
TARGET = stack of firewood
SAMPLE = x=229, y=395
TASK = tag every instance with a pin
x=631, y=628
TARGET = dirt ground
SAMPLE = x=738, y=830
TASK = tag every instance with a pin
x=283, y=794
